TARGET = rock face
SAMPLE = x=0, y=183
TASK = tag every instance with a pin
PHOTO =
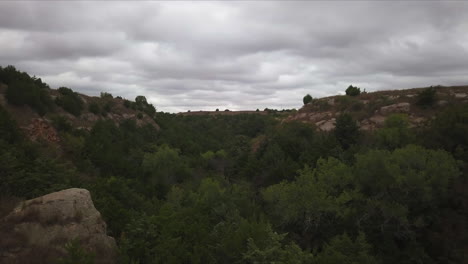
x=38, y=229
x=395, y=108
x=42, y=129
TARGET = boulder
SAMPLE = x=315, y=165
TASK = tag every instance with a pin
x=442, y=103
x=326, y=125
x=38, y=229
x=377, y=119
x=395, y=108
x=315, y=117
x=460, y=95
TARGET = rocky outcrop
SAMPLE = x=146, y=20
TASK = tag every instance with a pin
x=42, y=129
x=38, y=229
x=395, y=108
x=326, y=125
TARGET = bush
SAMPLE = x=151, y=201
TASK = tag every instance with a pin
x=142, y=104
x=307, y=99
x=25, y=90
x=61, y=123
x=94, y=108
x=127, y=103
x=69, y=101
x=106, y=95
x=427, y=97
x=346, y=130
x=107, y=108
x=353, y=91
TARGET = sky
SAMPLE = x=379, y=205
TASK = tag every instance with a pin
x=237, y=55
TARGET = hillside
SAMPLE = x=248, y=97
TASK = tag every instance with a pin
x=65, y=108
x=374, y=178
x=371, y=109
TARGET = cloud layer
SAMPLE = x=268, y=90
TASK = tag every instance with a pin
x=236, y=55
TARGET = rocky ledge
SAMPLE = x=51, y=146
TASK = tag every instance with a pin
x=37, y=230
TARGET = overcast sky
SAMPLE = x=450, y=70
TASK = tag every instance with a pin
x=236, y=55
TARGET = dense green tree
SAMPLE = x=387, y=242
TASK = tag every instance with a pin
x=163, y=168
x=69, y=101
x=307, y=99
x=346, y=130
x=427, y=97
x=395, y=133
x=342, y=249
x=353, y=91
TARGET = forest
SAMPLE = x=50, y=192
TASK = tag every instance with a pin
x=251, y=188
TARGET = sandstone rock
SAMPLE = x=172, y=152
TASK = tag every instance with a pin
x=377, y=119
x=127, y=116
x=395, y=108
x=460, y=95
x=45, y=224
x=90, y=117
x=314, y=117
x=442, y=103
x=301, y=115
x=326, y=125
x=331, y=101
x=366, y=125
x=42, y=129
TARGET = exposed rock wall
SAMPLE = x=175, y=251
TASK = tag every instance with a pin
x=38, y=229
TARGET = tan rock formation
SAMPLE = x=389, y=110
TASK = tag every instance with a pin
x=38, y=229
x=395, y=108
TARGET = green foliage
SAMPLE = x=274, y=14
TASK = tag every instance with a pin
x=346, y=130
x=342, y=249
x=395, y=133
x=427, y=97
x=353, y=91
x=94, y=108
x=272, y=250
x=253, y=189
x=61, y=123
x=142, y=104
x=163, y=168
x=69, y=101
x=76, y=254
x=25, y=90
x=9, y=131
x=307, y=99
x=449, y=130
x=105, y=95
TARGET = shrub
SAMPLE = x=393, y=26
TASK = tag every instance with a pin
x=106, y=95
x=61, y=123
x=142, y=104
x=107, y=108
x=69, y=101
x=427, y=97
x=346, y=130
x=353, y=91
x=24, y=90
x=94, y=108
x=127, y=103
x=307, y=99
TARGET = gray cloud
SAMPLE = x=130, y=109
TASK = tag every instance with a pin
x=236, y=55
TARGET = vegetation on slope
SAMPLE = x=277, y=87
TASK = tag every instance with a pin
x=250, y=189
